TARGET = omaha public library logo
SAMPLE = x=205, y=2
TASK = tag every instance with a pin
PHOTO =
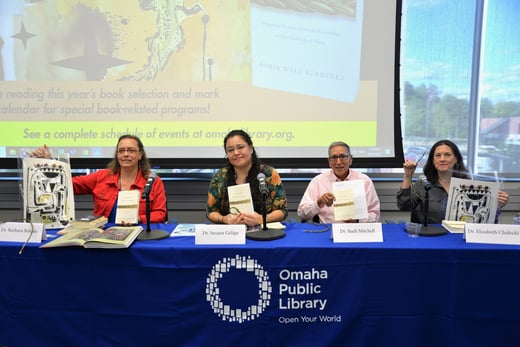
x=226, y=311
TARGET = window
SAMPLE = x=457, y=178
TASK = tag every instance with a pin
x=441, y=64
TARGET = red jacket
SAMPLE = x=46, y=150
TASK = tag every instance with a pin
x=104, y=187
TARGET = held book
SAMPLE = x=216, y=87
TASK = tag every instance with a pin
x=128, y=206
x=113, y=237
x=240, y=200
x=472, y=201
x=350, y=200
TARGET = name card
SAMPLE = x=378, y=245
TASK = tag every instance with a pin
x=357, y=232
x=505, y=234
x=220, y=234
x=20, y=232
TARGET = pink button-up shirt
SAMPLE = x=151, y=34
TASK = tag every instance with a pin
x=322, y=184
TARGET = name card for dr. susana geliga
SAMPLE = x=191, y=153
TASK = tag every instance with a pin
x=220, y=234
x=504, y=234
x=357, y=232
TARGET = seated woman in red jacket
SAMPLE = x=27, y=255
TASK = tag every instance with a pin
x=128, y=170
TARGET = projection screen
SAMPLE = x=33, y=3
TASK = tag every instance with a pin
x=296, y=75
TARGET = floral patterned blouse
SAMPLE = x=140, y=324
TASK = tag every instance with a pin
x=218, y=199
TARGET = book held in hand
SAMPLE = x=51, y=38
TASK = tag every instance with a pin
x=128, y=207
x=113, y=237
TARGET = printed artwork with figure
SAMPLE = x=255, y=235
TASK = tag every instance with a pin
x=47, y=192
x=472, y=201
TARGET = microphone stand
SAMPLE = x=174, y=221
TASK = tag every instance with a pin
x=265, y=234
x=429, y=230
x=149, y=234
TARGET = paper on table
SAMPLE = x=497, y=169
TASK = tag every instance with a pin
x=350, y=200
x=240, y=200
x=186, y=229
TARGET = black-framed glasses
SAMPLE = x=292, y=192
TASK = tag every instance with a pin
x=342, y=157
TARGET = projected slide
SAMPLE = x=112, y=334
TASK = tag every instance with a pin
x=296, y=75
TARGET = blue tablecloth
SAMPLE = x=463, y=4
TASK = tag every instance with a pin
x=300, y=290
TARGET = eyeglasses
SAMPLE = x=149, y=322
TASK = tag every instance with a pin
x=239, y=148
x=127, y=150
x=234, y=210
x=342, y=157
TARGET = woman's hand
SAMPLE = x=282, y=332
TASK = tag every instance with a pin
x=232, y=219
x=41, y=152
x=503, y=199
x=409, y=168
x=251, y=219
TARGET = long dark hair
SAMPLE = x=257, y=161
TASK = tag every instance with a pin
x=256, y=167
x=459, y=170
x=144, y=163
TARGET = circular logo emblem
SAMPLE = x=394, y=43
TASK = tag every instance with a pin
x=226, y=311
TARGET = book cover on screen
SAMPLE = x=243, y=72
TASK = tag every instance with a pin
x=113, y=237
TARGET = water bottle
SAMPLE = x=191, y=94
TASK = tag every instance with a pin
x=516, y=219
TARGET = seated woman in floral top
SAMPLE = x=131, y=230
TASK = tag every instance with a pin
x=243, y=166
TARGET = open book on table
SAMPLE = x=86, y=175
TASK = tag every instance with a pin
x=113, y=237
x=91, y=223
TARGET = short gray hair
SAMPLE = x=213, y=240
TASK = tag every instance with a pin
x=339, y=143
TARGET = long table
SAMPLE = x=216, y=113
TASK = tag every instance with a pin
x=301, y=290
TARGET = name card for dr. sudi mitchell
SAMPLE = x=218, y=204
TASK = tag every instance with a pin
x=357, y=232
x=504, y=234
x=22, y=232
x=220, y=234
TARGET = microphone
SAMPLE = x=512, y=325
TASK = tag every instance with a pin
x=261, y=180
x=429, y=230
x=265, y=234
x=149, y=234
x=425, y=182
x=148, y=187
